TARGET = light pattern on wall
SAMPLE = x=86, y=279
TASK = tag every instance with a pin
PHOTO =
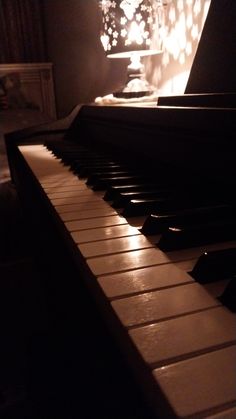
x=180, y=34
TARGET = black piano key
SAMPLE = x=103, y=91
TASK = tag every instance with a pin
x=85, y=168
x=228, y=298
x=157, y=223
x=76, y=162
x=89, y=170
x=180, y=237
x=124, y=198
x=179, y=201
x=60, y=149
x=113, y=192
x=94, y=178
x=145, y=206
x=69, y=157
x=215, y=266
x=105, y=183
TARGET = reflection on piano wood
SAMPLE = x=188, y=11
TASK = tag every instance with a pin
x=177, y=336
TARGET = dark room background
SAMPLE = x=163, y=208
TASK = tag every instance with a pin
x=66, y=33
x=22, y=36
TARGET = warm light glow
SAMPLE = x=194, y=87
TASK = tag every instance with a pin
x=180, y=34
x=180, y=5
x=130, y=24
x=130, y=29
x=136, y=33
x=189, y=20
x=197, y=7
x=178, y=27
x=105, y=42
x=135, y=63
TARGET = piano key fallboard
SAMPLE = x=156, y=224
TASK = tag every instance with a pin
x=183, y=336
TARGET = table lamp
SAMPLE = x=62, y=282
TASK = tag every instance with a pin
x=128, y=28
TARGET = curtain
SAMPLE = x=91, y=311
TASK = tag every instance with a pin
x=21, y=31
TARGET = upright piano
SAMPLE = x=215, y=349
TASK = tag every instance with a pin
x=138, y=205
x=131, y=199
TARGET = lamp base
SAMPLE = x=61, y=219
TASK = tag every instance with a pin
x=130, y=95
x=136, y=87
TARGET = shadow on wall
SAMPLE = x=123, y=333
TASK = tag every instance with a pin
x=183, y=24
x=81, y=69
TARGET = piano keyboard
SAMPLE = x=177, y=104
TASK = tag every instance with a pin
x=182, y=338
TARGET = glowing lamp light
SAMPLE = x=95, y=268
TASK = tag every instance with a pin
x=128, y=30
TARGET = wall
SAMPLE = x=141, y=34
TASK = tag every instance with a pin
x=81, y=69
x=184, y=21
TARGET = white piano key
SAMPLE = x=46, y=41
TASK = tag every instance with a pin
x=47, y=169
x=136, y=259
x=196, y=386
x=161, y=305
x=75, y=200
x=113, y=220
x=142, y=280
x=103, y=233
x=126, y=261
x=72, y=183
x=100, y=204
x=78, y=187
x=83, y=215
x=71, y=194
x=176, y=339
x=108, y=247
x=50, y=183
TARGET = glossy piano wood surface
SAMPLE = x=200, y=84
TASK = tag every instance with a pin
x=180, y=335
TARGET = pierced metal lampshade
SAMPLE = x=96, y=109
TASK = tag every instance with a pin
x=128, y=29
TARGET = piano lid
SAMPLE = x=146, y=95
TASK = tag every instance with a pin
x=214, y=66
x=212, y=81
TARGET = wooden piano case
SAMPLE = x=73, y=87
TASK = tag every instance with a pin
x=194, y=145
